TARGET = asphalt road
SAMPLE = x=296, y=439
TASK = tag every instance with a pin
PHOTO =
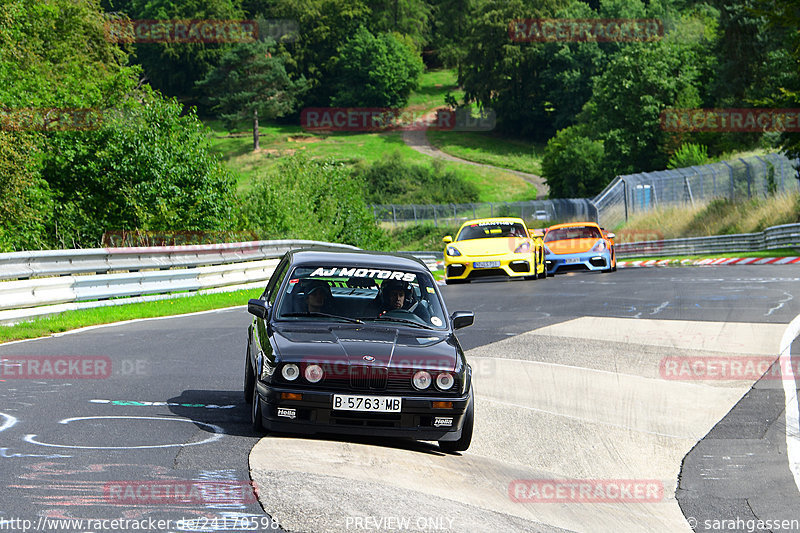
x=165, y=435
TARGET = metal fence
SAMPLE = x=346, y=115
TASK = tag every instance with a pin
x=454, y=214
x=750, y=177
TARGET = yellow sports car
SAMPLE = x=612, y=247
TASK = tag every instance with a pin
x=493, y=247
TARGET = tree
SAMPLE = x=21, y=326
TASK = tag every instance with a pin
x=409, y=18
x=572, y=165
x=148, y=166
x=174, y=67
x=323, y=25
x=375, y=71
x=251, y=82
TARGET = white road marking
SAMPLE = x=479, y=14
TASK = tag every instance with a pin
x=790, y=394
x=218, y=434
x=783, y=302
x=8, y=421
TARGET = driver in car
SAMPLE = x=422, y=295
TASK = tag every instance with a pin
x=397, y=295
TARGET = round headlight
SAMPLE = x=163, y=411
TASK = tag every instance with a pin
x=421, y=380
x=444, y=380
x=314, y=373
x=290, y=372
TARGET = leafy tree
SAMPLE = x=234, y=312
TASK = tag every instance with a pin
x=323, y=26
x=784, y=18
x=172, y=67
x=375, y=71
x=317, y=200
x=629, y=97
x=448, y=23
x=250, y=82
x=572, y=164
x=148, y=167
x=409, y=18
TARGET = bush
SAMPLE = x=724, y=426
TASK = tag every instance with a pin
x=146, y=167
x=393, y=180
x=572, y=165
x=688, y=155
x=375, y=72
x=316, y=200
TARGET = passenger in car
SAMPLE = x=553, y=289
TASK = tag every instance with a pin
x=318, y=297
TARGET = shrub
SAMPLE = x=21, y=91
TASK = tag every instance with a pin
x=393, y=180
x=315, y=200
x=688, y=155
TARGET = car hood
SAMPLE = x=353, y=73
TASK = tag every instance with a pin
x=491, y=246
x=571, y=246
x=390, y=347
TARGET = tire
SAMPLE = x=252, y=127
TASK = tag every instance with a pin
x=256, y=417
x=460, y=445
x=249, y=378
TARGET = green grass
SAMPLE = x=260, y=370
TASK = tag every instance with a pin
x=433, y=87
x=284, y=140
x=104, y=315
x=490, y=148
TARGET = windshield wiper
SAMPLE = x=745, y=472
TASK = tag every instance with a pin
x=404, y=321
x=325, y=315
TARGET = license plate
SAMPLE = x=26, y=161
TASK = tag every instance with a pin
x=572, y=260
x=377, y=404
x=486, y=264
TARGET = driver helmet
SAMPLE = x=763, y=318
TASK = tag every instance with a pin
x=396, y=285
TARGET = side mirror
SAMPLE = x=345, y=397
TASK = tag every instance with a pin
x=258, y=308
x=462, y=319
x=611, y=235
x=448, y=239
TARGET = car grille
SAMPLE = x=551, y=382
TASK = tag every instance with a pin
x=597, y=262
x=364, y=377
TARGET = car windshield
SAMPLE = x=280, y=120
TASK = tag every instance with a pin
x=575, y=232
x=486, y=230
x=361, y=294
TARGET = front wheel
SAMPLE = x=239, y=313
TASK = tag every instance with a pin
x=465, y=440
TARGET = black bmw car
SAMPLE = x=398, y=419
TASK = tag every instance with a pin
x=358, y=343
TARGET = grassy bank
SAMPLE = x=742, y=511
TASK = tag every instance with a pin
x=104, y=315
x=718, y=217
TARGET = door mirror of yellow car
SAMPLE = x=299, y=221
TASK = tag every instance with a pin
x=611, y=235
x=537, y=232
x=448, y=239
